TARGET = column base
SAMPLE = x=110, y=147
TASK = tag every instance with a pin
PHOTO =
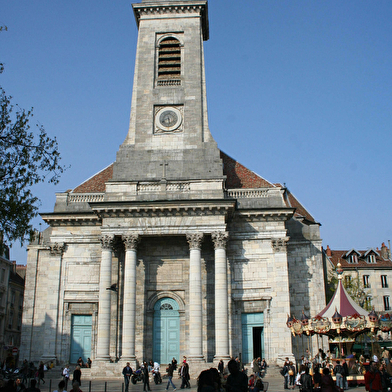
x=224, y=357
x=103, y=358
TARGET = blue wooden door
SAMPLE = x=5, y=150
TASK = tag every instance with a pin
x=166, y=335
x=81, y=327
x=252, y=336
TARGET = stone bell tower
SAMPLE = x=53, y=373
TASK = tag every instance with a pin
x=168, y=137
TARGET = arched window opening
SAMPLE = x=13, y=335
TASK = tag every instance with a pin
x=169, y=62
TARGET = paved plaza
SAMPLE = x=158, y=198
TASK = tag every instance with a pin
x=274, y=380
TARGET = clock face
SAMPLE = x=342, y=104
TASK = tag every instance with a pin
x=168, y=119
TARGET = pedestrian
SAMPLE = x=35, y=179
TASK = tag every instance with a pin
x=185, y=375
x=41, y=373
x=20, y=387
x=221, y=366
x=306, y=381
x=75, y=387
x=77, y=375
x=33, y=387
x=256, y=367
x=291, y=374
x=146, y=377
x=61, y=387
x=237, y=380
x=66, y=376
x=345, y=374
x=127, y=372
x=327, y=383
x=170, y=370
x=205, y=381
x=338, y=371
x=373, y=378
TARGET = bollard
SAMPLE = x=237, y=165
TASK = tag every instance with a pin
x=89, y=386
x=106, y=385
x=50, y=385
x=122, y=387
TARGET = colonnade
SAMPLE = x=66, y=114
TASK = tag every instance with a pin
x=195, y=297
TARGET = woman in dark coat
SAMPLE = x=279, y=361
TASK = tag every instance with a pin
x=77, y=374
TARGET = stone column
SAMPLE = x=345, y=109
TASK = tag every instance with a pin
x=129, y=307
x=221, y=296
x=105, y=280
x=195, y=298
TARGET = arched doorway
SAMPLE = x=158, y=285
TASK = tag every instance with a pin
x=166, y=335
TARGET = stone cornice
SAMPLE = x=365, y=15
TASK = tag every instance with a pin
x=154, y=8
x=71, y=218
x=264, y=214
x=166, y=208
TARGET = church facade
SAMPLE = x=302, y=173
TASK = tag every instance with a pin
x=176, y=248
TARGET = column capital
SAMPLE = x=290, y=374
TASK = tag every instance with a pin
x=107, y=241
x=279, y=244
x=220, y=238
x=195, y=240
x=131, y=241
x=56, y=249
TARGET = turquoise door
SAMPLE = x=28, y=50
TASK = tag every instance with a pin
x=166, y=335
x=252, y=336
x=81, y=328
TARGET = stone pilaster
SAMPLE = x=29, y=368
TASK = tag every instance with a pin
x=129, y=308
x=195, y=298
x=221, y=296
x=105, y=280
x=53, y=271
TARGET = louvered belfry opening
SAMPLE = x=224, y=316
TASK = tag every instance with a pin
x=169, y=62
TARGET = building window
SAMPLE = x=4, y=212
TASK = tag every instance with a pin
x=352, y=259
x=12, y=299
x=20, y=302
x=10, y=319
x=366, y=283
x=2, y=275
x=371, y=259
x=368, y=302
x=386, y=303
x=347, y=280
x=19, y=325
x=384, y=281
x=169, y=62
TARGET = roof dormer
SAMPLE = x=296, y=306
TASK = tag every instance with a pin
x=371, y=256
x=352, y=256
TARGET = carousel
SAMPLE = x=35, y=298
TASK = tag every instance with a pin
x=342, y=320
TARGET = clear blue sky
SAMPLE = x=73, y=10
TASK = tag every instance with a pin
x=298, y=91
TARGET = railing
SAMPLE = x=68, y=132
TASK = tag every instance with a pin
x=85, y=197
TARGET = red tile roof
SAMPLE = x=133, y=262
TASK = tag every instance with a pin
x=96, y=183
x=338, y=256
x=300, y=211
x=237, y=176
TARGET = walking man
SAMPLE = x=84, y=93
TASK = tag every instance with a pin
x=170, y=370
x=127, y=372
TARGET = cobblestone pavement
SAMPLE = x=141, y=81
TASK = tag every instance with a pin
x=275, y=384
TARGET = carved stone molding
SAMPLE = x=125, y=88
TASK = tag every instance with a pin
x=195, y=240
x=56, y=249
x=279, y=245
x=131, y=241
x=107, y=241
x=220, y=238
